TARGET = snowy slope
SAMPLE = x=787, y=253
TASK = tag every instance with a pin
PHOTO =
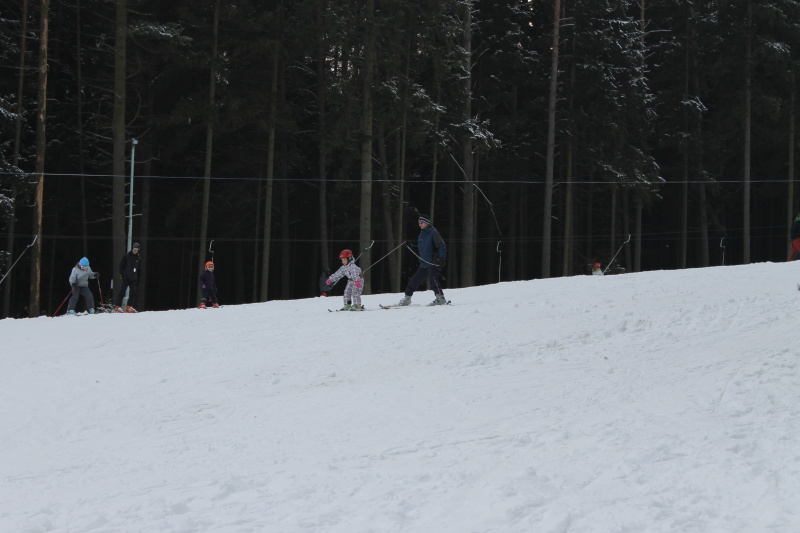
x=653, y=402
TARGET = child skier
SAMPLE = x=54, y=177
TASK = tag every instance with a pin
x=352, y=292
x=596, y=270
x=208, y=286
x=79, y=281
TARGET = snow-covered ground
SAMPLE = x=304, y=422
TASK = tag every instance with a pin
x=653, y=402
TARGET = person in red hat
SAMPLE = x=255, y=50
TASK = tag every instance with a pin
x=355, y=281
x=596, y=270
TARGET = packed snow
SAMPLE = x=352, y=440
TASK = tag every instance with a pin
x=654, y=402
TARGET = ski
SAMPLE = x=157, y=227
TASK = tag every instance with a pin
x=412, y=305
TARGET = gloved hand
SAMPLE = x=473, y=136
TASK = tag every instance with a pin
x=327, y=282
x=73, y=285
x=442, y=262
x=358, y=284
x=97, y=275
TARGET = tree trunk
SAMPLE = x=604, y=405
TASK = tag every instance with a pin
x=747, y=121
x=468, y=204
x=9, y=282
x=365, y=235
x=790, y=176
x=547, y=216
x=322, y=149
x=118, y=132
x=273, y=111
x=34, y=302
x=212, y=92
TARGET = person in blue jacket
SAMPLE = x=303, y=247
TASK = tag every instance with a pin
x=432, y=253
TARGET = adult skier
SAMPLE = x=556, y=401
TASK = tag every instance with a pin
x=432, y=253
x=130, y=272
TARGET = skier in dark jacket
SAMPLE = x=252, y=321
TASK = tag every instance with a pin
x=130, y=272
x=432, y=253
x=208, y=287
x=795, y=235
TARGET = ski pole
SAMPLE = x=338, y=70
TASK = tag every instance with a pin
x=382, y=258
x=616, y=254
x=62, y=304
x=18, y=258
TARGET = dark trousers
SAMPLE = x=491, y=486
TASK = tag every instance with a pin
x=431, y=274
x=209, y=296
x=132, y=285
x=77, y=292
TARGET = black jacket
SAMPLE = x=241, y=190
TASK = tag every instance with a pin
x=795, y=232
x=131, y=267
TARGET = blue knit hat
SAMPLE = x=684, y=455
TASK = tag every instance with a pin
x=424, y=219
x=83, y=262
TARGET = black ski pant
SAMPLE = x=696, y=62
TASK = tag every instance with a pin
x=131, y=284
x=430, y=273
x=209, y=296
x=77, y=292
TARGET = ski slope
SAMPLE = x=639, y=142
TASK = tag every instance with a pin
x=655, y=402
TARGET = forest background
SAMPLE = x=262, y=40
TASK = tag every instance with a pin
x=269, y=135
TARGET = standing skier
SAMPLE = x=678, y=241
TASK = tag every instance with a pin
x=208, y=287
x=431, y=250
x=352, y=292
x=795, y=234
x=79, y=281
x=130, y=271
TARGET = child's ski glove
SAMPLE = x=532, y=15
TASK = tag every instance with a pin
x=358, y=284
x=327, y=282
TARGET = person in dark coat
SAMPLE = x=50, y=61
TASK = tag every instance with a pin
x=130, y=272
x=208, y=287
x=795, y=235
x=432, y=253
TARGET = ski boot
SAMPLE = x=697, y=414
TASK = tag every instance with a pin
x=91, y=310
x=357, y=307
x=71, y=312
x=440, y=300
x=202, y=305
x=346, y=307
x=405, y=301
x=215, y=305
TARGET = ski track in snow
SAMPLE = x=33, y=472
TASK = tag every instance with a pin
x=653, y=402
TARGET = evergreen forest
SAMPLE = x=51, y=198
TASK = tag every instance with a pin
x=540, y=136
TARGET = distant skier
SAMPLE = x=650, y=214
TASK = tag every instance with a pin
x=208, y=287
x=130, y=272
x=432, y=252
x=324, y=288
x=355, y=281
x=596, y=270
x=795, y=235
x=79, y=281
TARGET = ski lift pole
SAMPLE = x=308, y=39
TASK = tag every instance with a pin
x=18, y=258
x=723, y=250
x=500, y=263
x=616, y=254
x=211, y=249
